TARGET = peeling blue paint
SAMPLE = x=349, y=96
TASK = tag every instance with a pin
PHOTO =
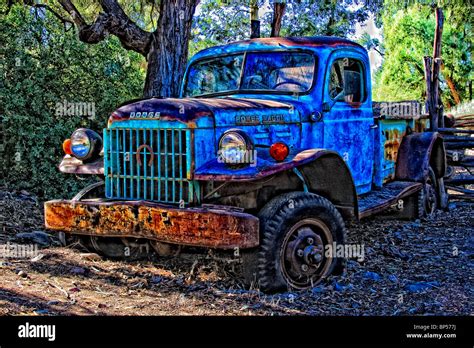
x=298, y=120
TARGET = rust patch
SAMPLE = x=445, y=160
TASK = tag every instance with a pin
x=206, y=227
x=190, y=110
x=314, y=41
x=415, y=154
x=421, y=125
x=392, y=144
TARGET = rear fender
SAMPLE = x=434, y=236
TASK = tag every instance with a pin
x=417, y=152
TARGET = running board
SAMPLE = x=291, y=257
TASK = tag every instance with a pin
x=377, y=201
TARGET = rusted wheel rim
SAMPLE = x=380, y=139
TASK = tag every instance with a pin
x=303, y=260
x=429, y=199
x=430, y=196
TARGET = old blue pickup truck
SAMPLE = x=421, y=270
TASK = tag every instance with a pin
x=273, y=144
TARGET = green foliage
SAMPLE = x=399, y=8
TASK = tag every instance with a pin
x=222, y=21
x=43, y=65
x=219, y=22
x=329, y=17
x=408, y=36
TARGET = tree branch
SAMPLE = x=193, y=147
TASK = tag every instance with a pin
x=9, y=6
x=278, y=11
x=114, y=21
x=57, y=15
x=77, y=18
x=379, y=52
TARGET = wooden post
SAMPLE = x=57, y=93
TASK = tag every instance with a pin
x=254, y=21
x=278, y=12
x=433, y=98
x=430, y=105
x=437, y=65
x=432, y=68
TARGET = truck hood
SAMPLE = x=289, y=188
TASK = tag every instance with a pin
x=209, y=112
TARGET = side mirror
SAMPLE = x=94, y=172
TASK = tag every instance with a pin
x=327, y=106
x=352, y=86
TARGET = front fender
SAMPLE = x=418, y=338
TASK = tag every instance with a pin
x=265, y=166
x=323, y=172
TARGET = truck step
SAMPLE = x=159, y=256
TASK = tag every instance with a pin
x=379, y=200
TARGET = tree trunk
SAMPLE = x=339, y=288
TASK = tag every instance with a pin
x=166, y=49
x=254, y=21
x=453, y=90
x=452, y=87
x=168, y=52
x=278, y=11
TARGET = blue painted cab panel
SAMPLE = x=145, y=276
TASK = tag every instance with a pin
x=297, y=120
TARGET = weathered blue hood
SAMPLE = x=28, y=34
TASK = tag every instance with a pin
x=209, y=112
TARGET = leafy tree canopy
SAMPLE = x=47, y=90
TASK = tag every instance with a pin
x=221, y=21
x=408, y=33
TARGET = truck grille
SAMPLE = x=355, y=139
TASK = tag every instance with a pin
x=148, y=164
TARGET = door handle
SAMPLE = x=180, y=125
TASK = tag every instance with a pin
x=374, y=126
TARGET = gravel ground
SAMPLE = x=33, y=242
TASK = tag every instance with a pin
x=409, y=268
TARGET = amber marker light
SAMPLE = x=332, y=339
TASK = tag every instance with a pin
x=279, y=151
x=67, y=147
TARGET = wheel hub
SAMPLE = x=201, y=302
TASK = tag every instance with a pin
x=312, y=254
x=304, y=254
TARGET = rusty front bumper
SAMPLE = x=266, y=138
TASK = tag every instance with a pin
x=211, y=227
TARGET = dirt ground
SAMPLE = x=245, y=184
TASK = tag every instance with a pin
x=409, y=268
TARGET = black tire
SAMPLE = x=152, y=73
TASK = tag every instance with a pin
x=121, y=248
x=111, y=247
x=288, y=224
x=428, y=196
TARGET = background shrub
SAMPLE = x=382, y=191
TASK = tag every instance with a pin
x=42, y=65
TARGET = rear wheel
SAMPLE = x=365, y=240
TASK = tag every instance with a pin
x=296, y=229
x=428, y=196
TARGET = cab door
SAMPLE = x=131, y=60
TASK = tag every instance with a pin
x=348, y=120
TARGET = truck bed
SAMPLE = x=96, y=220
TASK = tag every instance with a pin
x=394, y=120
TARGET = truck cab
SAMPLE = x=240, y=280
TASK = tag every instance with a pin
x=271, y=146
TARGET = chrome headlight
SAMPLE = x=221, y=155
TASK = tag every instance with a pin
x=85, y=144
x=235, y=147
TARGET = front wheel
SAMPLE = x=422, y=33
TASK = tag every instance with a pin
x=297, y=229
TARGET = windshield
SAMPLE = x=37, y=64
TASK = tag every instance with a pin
x=287, y=72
